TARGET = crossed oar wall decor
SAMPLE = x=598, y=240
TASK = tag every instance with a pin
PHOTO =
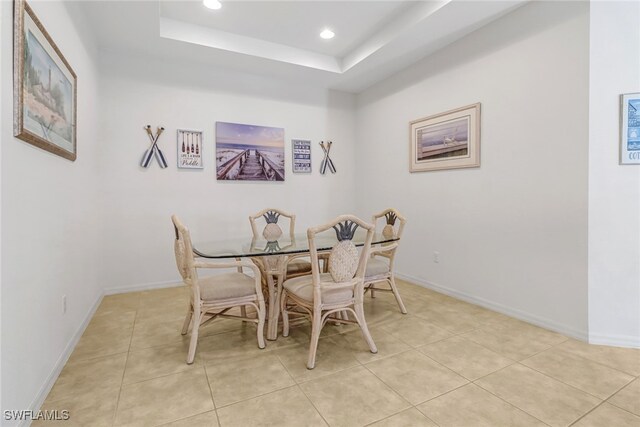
x=154, y=151
x=326, y=162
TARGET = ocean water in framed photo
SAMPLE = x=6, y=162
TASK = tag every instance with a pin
x=44, y=88
x=448, y=140
x=630, y=129
x=249, y=152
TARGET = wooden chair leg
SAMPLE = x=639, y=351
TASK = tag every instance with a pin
x=372, y=289
x=316, y=326
x=243, y=311
x=363, y=327
x=197, y=319
x=285, y=313
x=262, y=314
x=274, y=308
x=187, y=321
x=396, y=293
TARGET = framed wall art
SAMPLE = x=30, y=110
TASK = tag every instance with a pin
x=249, y=152
x=190, y=149
x=45, y=87
x=630, y=129
x=301, y=151
x=449, y=140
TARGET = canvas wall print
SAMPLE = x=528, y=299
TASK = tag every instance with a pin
x=448, y=140
x=301, y=150
x=44, y=88
x=630, y=129
x=249, y=152
x=190, y=149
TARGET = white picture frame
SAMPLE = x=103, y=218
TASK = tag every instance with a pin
x=189, y=149
x=301, y=156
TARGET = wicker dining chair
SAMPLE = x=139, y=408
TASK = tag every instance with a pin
x=295, y=265
x=381, y=265
x=331, y=296
x=214, y=296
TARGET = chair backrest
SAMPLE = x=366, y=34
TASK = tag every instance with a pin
x=183, y=249
x=271, y=230
x=346, y=265
x=394, y=226
x=394, y=222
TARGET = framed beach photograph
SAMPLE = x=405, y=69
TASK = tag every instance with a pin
x=189, y=149
x=44, y=87
x=249, y=152
x=449, y=140
x=630, y=129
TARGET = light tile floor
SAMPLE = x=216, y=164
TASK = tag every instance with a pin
x=446, y=363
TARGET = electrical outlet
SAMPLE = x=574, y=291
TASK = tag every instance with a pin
x=436, y=257
x=64, y=304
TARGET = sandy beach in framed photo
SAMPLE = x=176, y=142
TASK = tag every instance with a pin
x=448, y=140
x=249, y=152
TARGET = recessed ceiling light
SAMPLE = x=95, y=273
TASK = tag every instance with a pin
x=212, y=4
x=327, y=34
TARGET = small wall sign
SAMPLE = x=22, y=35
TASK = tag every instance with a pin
x=190, y=149
x=301, y=150
x=630, y=129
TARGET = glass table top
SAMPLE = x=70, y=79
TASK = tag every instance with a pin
x=286, y=244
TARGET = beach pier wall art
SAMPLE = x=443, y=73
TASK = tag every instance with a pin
x=448, y=140
x=44, y=88
x=249, y=152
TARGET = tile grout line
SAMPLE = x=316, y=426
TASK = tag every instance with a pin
x=587, y=413
x=213, y=401
x=570, y=385
x=115, y=413
x=509, y=403
x=618, y=407
x=590, y=359
x=300, y=388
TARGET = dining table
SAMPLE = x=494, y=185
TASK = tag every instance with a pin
x=273, y=256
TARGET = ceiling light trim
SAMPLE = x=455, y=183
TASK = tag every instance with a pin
x=216, y=39
x=402, y=24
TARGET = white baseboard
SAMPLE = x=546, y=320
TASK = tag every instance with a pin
x=509, y=311
x=615, y=340
x=143, y=287
x=62, y=360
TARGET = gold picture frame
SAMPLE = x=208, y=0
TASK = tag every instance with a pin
x=449, y=140
x=45, y=87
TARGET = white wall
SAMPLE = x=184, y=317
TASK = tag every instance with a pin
x=50, y=241
x=511, y=234
x=137, y=203
x=2, y=77
x=614, y=190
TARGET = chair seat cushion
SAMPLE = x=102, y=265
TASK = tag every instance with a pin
x=225, y=286
x=377, y=266
x=298, y=266
x=302, y=287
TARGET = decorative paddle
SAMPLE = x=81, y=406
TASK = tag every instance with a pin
x=326, y=161
x=154, y=151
